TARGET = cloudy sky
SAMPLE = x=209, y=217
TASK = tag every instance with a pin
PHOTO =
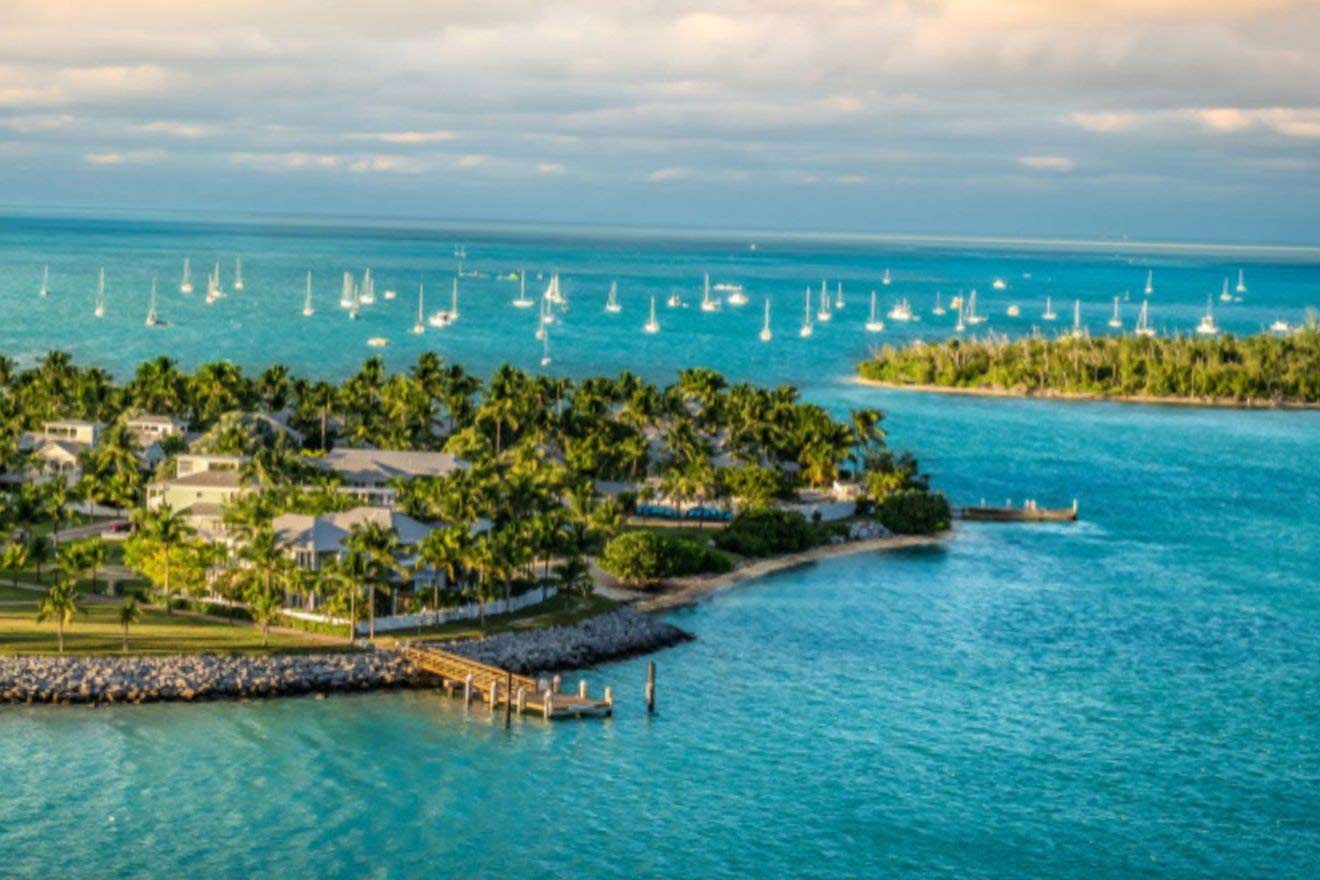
x=1183, y=119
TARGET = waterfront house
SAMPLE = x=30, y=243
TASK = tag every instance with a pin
x=55, y=452
x=202, y=486
x=367, y=474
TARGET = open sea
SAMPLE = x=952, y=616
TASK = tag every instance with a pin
x=1136, y=695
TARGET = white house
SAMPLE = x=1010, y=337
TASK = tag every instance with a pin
x=367, y=473
x=204, y=484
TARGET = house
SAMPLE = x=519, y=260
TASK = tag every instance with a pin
x=367, y=473
x=83, y=433
x=150, y=428
x=56, y=450
x=203, y=485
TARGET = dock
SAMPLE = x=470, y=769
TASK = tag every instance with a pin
x=495, y=687
x=1029, y=512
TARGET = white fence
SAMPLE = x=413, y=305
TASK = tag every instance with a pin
x=394, y=622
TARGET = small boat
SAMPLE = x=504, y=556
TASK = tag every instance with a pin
x=838, y=295
x=735, y=294
x=957, y=301
x=1078, y=331
x=823, y=313
x=886, y=280
x=765, y=334
x=651, y=325
x=420, y=327
x=390, y=293
x=707, y=303
x=1280, y=326
x=873, y=323
x=1242, y=282
x=901, y=311
x=1114, y=320
x=507, y=276
x=186, y=285
x=1048, y=314
x=939, y=307
x=307, y=309
x=1028, y=512
x=1150, y=282
x=347, y=292
x=806, y=329
x=1207, y=325
x=522, y=302
x=367, y=290
x=44, y=289
x=612, y=300
x=1143, y=327
x=553, y=294
x=1013, y=310
x=1224, y=295
x=675, y=300
x=999, y=284
x=378, y=342
x=152, y=319
x=444, y=318
x=213, y=291
x=972, y=317
x=99, y=310
x=238, y=274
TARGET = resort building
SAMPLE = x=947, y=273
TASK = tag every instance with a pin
x=368, y=473
x=148, y=428
x=55, y=452
x=200, y=490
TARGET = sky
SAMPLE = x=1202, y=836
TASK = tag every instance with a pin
x=1192, y=120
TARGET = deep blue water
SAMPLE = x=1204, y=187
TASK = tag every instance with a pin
x=1137, y=695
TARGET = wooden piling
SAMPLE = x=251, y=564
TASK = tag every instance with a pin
x=508, y=702
x=582, y=688
x=494, y=696
x=522, y=699
x=548, y=703
x=650, y=686
x=556, y=683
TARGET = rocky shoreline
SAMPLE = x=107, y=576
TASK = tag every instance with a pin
x=108, y=680
x=624, y=632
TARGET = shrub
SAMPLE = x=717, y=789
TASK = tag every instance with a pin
x=767, y=533
x=644, y=557
x=914, y=512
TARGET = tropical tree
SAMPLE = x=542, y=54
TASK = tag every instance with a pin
x=129, y=613
x=40, y=550
x=60, y=604
x=348, y=576
x=380, y=547
x=164, y=530
x=444, y=550
x=14, y=558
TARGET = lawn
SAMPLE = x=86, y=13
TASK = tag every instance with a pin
x=98, y=632
x=558, y=611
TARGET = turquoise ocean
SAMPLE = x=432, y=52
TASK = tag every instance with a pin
x=1136, y=695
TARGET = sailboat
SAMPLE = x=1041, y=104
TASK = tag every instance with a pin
x=901, y=311
x=972, y=317
x=44, y=289
x=874, y=324
x=1078, y=331
x=1224, y=295
x=838, y=295
x=553, y=294
x=1242, y=282
x=152, y=319
x=347, y=291
x=736, y=295
x=960, y=306
x=1115, y=321
x=213, y=291
x=823, y=313
x=1048, y=314
x=1150, y=282
x=612, y=301
x=708, y=304
x=886, y=279
x=390, y=293
x=939, y=308
x=765, y=334
x=999, y=284
x=444, y=318
x=1208, y=327
x=99, y=310
x=806, y=329
x=543, y=319
x=675, y=300
x=307, y=309
x=185, y=286
x=420, y=327
x=367, y=291
x=238, y=274
x=353, y=304
x=522, y=302
x=651, y=325
x=1143, y=320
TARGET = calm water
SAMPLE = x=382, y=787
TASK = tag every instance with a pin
x=1136, y=695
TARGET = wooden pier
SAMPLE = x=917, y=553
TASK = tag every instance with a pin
x=497, y=687
x=1029, y=512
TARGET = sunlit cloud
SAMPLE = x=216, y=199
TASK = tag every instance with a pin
x=1060, y=164
x=549, y=168
x=403, y=137
x=124, y=157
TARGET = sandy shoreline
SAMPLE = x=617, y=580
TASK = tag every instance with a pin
x=1082, y=397
x=682, y=592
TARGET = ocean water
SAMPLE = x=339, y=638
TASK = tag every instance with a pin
x=1136, y=695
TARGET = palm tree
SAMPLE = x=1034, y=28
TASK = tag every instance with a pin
x=444, y=551
x=40, y=550
x=380, y=546
x=55, y=503
x=166, y=529
x=264, y=605
x=574, y=577
x=348, y=576
x=129, y=613
x=59, y=604
x=14, y=558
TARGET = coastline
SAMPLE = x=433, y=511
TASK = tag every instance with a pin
x=1086, y=397
x=683, y=592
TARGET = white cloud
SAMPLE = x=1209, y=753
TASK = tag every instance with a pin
x=403, y=137
x=124, y=157
x=1061, y=164
x=669, y=175
x=185, y=130
x=549, y=168
x=1105, y=122
x=472, y=160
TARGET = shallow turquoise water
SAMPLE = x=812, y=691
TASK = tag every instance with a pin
x=1136, y=695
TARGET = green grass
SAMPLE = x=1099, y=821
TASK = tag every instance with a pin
x=9, y=593
x=98, y=632
x=558, y=611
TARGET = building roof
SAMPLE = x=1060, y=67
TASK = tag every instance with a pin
x=379, y=466
x=226, y=479
x=325, y=533
x=157, y=419
x=66, y=449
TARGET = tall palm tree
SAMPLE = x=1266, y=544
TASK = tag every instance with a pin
x=380, y=546
x=59, y=604
x=167, y=530
x=348, y=576
x=129, y=613
x=444, y=551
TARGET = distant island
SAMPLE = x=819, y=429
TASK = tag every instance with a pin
x=1264, y=370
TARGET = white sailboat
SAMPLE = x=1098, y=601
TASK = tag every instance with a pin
x=999, y=284
x=1207, y=326
x=367, y=290
x=213, y=291
x=1242, y=282
x=707, y=303
x=445, y=317
x=675, y=300
x=901, y=311
x=765, y=334
x=612, y=301
x=736, y=295
x=1048, y=314
x=238, y=274
x=522, y=302
x=420, y=327
x=347, y=290
x=886, y=279
x=553, y=294
x=651, y=325
x=152, y=319
x=186, y=286
x=543, y=319
x=1078, y=331
x=307, y=309
x=939, y=307
x=873, y=323
x=838, y=295
x=960, y=305
x=1013, y=310
x=1143, y=327
x=972, y=317
x=1114, y=320
x=44, y=289
x=1150, y=282
x=353, y=305
x=823, y=313
x=99, y=310
x=806, y=329
x=1224, y=295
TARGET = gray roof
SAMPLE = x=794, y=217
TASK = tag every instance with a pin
x=379, y=466
x=325, y=533
x=223, y=479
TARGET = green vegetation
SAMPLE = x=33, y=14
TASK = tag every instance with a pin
x=914, y=511
x=644, y=557
x=1252, y=369
x=769, y=533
